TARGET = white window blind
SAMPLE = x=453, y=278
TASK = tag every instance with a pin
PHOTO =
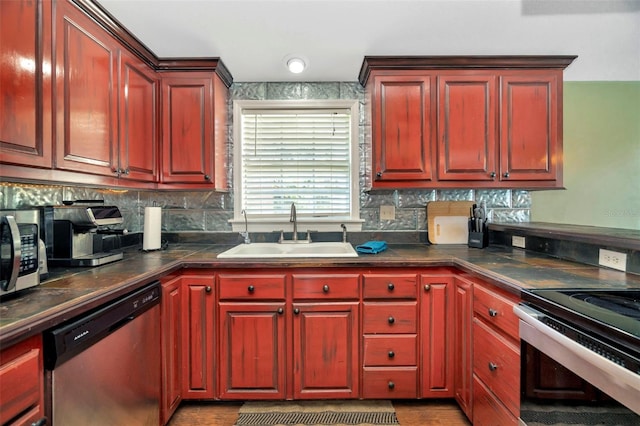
x=299, y=156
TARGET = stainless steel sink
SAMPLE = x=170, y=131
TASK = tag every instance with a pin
x=281, y=250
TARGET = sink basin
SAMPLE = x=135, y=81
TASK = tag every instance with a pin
x=280, y=250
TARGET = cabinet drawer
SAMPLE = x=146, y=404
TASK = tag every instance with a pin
x=326, y=286
x=496, y=362
x=390, y=286
x=21, y=383
x=390, y=350
x=487, y=410
x=390, y=318
x=496, y=309
x=254, y=287
x=390, y=383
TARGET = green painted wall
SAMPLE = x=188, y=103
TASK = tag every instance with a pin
x=601, y=158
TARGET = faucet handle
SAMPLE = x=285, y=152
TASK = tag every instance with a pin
x=281, y=239
x=309, y=231
x=344, y=232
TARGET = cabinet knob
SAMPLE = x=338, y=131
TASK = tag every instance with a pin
x=125, y=172
x=379, y=175
x=391, y=320
x=208, y=289
x=41, y=422
x=280, y=310
x=391, y=354
x=390, y=286
x=427, y=287
x=493, y=312
x=492, y=366
x=207, y=178
x=506, y=175
x=325, y=288
x=296, y=311
x=492, y=175
x=251, y=289
x=391, y=385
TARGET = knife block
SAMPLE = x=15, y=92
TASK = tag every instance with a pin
x=479, y=239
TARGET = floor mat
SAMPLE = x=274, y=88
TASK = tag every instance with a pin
x=577, y=415
x=335, y=413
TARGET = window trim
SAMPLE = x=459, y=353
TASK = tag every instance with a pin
x=268, y=224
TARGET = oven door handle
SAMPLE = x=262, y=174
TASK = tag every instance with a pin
x=15, y=253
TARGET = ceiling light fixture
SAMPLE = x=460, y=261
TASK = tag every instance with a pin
x=296, y=65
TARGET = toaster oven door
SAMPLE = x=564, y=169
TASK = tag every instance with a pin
x=10, y=253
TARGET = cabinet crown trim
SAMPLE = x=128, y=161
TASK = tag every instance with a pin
x=371, y=63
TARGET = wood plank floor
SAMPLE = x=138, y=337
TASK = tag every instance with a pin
x=410, y=413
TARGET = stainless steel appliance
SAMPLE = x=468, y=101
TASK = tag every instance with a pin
x=594, y=333
x=104, y=368
x=19, y=250
x=81, y=234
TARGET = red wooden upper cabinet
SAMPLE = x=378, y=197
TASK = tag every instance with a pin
x=467, y=126
x=478, y=121
x=25, y=83
x=194, y=119
x=86, y=99
x=402, y=130
x=531, y=126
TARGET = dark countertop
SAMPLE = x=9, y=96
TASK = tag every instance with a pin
x=71, y=291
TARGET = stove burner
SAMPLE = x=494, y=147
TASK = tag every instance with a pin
x=626, y=306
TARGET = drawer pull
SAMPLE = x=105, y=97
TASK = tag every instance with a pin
x=427, y=287
x=325, y=288
x=280, y=311
x=391, y=385
x=251, y=289
x=493, y=312
x=41, y=422
x=390, y=286
x=296, y=311
x=207, y=289
x=492, y=366
x=392, y=354
x=391, y=320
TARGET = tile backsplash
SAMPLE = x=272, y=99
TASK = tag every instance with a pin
x=210, y=211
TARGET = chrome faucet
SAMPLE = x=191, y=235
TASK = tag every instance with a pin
x=344, y=232
x=245, y=234
x=293, y=218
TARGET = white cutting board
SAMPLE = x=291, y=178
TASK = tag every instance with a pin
x=450, y=230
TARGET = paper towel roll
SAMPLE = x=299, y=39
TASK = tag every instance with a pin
x=152, y=228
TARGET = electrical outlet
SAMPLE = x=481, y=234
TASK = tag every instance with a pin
x=613, y=259
x=387, y=212
x=517, y=241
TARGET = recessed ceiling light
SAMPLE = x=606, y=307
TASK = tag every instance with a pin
x=296, y=65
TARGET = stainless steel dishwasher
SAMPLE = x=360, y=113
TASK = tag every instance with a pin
x=103, y=368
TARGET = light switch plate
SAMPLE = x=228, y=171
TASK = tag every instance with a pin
x=387, y=212
x=517, y=241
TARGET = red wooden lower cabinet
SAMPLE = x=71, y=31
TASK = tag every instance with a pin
x=252, y=350
x=463, y=341
x=171, y=350
x=22, y=383
x=487, y=409
x=436, y=309
x=198, y=361
x=325, y=350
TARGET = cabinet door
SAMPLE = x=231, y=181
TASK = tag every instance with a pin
x=252, y=350
x=467, y=127
x=187, y=137
x=138, y=143
x=325, y=352
x=86, y=94
x=531, y=127
x=402, y=130
x=463, y=362
x=25, y=83
x=171, y=348
x=436, y=334
x=197, y=323
x=22, y=383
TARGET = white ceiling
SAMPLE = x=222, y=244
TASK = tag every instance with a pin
x=253, y=37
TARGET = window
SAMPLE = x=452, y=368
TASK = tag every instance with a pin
x=302, y=152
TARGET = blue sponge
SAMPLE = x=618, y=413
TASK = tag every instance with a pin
x=372, y=247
